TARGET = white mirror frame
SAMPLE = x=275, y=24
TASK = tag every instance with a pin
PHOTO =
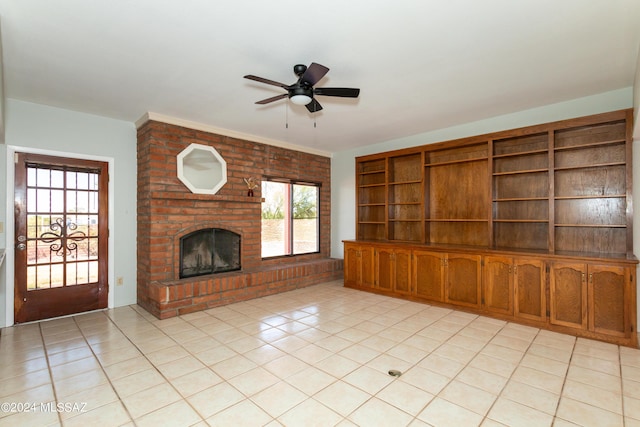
x=202, y=169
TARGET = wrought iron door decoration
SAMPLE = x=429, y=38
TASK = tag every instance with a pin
x=63, y=243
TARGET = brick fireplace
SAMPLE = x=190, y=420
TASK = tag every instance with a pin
x=168, y=211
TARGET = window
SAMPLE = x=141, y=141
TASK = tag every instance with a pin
x=290, y=224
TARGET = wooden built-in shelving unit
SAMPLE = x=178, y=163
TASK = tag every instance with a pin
x=555, y=193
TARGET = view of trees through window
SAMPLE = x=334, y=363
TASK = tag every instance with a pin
x=289, y=219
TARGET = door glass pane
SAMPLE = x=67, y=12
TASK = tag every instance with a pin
x=93, y=271
x=57, y=201
x=43, y=201
x=83, y=201
x=71, y=180
x=43, y=277
x=92, y=205
x=57, y=179
x=82, y=180
x=42, y=177
x=31, y=176
x=57, y=275
x=31, y=200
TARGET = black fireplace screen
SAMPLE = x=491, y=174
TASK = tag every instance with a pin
x=208, y=251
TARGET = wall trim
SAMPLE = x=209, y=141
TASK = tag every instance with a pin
x=226, y=132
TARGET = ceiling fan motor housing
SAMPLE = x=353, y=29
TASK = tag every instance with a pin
x=299, y=69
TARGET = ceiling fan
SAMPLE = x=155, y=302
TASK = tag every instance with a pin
x=302, y=92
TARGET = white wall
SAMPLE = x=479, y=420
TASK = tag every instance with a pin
x=636, y=101
x=36, y=127
x=343, y=217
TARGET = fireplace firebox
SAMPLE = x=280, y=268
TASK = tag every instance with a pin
x=209, y=251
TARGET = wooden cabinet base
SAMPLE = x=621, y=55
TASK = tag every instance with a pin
x=587, y=297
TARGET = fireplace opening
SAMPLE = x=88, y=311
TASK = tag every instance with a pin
x=209, y=251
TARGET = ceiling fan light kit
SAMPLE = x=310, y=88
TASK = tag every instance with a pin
x=300, y=99
x=302, y=92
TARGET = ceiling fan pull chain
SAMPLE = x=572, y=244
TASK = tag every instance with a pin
x=286, y=116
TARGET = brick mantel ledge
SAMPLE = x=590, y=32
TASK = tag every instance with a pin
x=172, y=195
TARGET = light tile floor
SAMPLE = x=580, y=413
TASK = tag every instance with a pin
x=317, y=356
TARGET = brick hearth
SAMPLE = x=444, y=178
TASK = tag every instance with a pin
x=167, y=210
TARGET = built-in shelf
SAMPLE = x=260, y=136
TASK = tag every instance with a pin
x=592, y=144
x=520, y=153
x=587, y=166
x=603, y=196
x=521, y=172
x=457, y=220
x=520, y=199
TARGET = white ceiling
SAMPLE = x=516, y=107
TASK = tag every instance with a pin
x=421, y=64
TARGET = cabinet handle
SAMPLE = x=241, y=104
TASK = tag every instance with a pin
x=590, y=277
x=510, y=269
x=515, y=269
x=583, y=277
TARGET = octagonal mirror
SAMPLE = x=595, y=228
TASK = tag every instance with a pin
x=202, y=169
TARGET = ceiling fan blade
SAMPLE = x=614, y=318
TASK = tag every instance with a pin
x=344, y=92
x=313, y=74
x=273, y=98
x=314, y=106
x=267, y=81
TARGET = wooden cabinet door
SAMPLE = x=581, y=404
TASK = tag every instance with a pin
x=393, y=270
x=351, y=265
x=608, y=301
x=463, y=278
x=498, y=284
x=384, y=269
x=428, y=275
x=568, y=295
x=402, y=273
x=530, y=300
x=367, y=263
x=358, y=265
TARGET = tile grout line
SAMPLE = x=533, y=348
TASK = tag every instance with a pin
x=564, y=381
x=484, y=417
x=46, y=355
x=167, y=380
x=524, y=353
x=102, y=368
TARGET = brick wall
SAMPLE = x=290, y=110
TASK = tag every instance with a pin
x=167, y=210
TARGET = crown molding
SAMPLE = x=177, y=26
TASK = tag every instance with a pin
x=226, y=132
